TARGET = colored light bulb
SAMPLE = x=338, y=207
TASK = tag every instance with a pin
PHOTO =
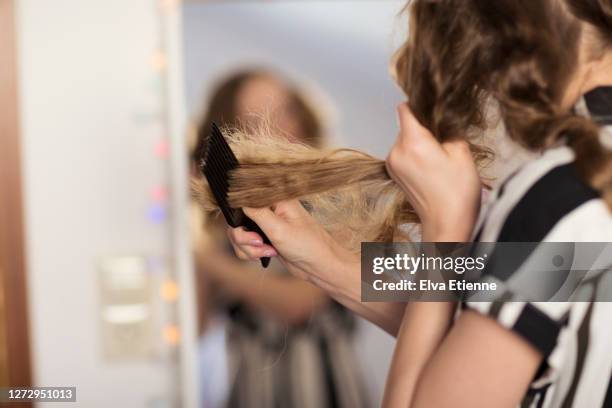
x=157, y=213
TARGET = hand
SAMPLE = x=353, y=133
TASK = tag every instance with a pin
x=306, y=249
x=440, y=180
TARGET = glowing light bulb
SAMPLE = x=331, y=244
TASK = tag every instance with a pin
x=169, y=6
x=159, y=194
x=172, y=334
x=159, y=61
x=162, y=149
x=157, y=213
x=169, y=290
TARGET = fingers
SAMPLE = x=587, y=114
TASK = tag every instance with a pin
x=274, y=223
x=268, y=221
x=403, y=115
x=409, y=123
x=415, y=145
x=261, y=216
x=250, y=253
x=240, y=236
x=413, y=136
x=290, y=209
x=459, y=151
x=420, y=141
x=457, y=147
x=249, y=245
x=240, y=253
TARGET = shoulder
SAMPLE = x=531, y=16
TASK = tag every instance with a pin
x=547, y=200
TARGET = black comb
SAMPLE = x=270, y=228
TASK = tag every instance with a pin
x=219, y=161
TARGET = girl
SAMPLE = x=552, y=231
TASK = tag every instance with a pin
x=288, y=342
x=533, y=59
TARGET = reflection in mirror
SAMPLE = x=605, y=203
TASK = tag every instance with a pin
x=317, y=72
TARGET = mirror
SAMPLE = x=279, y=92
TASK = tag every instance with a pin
x=335, y=55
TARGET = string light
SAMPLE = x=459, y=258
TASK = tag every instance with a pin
x=159, y=61
x=159, y=194
x=169, y=6
x=169, y=291
x=162, y=149
x=157, y=213
x=172, y=334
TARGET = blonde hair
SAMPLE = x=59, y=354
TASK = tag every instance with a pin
x=349, y=192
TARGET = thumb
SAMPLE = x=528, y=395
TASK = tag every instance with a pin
x=457, y=148
x=268, y=221
x=407, y=120
x=290, y=210
x=410, y=127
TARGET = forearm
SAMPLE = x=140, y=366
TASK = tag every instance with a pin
x=386, y=315
x=343, y=283
x=287, y=299
x=423, y=328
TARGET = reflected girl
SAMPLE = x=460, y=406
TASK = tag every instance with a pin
x=289, y=344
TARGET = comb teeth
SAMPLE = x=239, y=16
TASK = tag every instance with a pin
x=219, y=160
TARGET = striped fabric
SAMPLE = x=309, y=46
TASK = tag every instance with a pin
x=314, y=366
x=546, y=201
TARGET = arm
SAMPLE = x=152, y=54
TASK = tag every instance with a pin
x=447, y=204
x=345, y=288
x=424, y=326
x=310, y=253
x=285, y=298
x=472, y=371
x=337, y=271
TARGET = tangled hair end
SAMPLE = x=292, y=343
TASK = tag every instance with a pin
x=349, y=192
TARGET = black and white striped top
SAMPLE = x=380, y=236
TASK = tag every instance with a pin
x=546, y=200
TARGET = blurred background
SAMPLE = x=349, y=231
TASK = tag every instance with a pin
x=104, y=284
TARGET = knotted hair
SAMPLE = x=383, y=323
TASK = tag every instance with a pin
x=461, y=57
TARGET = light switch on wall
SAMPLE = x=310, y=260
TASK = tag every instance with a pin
x=126, y=307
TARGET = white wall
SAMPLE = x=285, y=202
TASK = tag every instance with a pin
x=92, y=115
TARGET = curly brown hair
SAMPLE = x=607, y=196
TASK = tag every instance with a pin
x=521, y=54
